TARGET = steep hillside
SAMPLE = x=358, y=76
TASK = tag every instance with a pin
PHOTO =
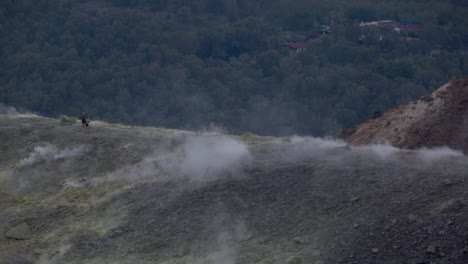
x=438, y=119
x=147, y=195
x=188, y=64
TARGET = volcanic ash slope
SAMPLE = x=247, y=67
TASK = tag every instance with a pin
x=146, y=195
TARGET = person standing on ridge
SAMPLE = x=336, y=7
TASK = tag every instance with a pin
x=85, y=122
x=83, y=119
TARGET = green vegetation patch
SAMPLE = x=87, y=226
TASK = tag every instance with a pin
x=268, y=67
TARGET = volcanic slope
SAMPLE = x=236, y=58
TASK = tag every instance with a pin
x=438, y=119
x=146, y=195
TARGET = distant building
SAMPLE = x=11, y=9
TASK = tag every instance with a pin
x=296, y=47
x=388, y=23
x=297, y=43
x=325, y=30
x=408, y=32
x=393, y=25
x=366, y=24
x=380, y=23
x=409, y=28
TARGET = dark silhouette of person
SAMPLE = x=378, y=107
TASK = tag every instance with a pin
x=83, y=119
x=85, y=122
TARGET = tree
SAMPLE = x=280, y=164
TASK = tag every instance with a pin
x=268, y=61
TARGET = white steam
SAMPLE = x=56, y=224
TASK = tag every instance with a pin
x=380, y=151
x=205, y=157
x=198, y=157
x=56, y=257
x=8, y=110
x=143, y=171
x=7, y=177
x=210, y=156
x=437, y=154
x=296, y=150
x=49, y=152
x=225, y=251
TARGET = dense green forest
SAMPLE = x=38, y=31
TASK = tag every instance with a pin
x=193, y=63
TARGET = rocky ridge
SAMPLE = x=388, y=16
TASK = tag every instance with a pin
x=438, y=119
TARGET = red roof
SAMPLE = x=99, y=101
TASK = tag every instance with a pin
x=295, y=45
x=410, y=27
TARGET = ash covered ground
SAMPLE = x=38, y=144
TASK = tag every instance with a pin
x=147, y=195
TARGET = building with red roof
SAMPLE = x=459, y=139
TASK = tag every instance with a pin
x=296, y=46
x=412, y=28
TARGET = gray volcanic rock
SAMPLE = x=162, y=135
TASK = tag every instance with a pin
x=147, y=195
x=20, y=232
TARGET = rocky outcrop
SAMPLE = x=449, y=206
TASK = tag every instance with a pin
x=438, y=119
x=20, y=232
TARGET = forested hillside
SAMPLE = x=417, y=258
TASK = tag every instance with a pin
x=271, y=67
